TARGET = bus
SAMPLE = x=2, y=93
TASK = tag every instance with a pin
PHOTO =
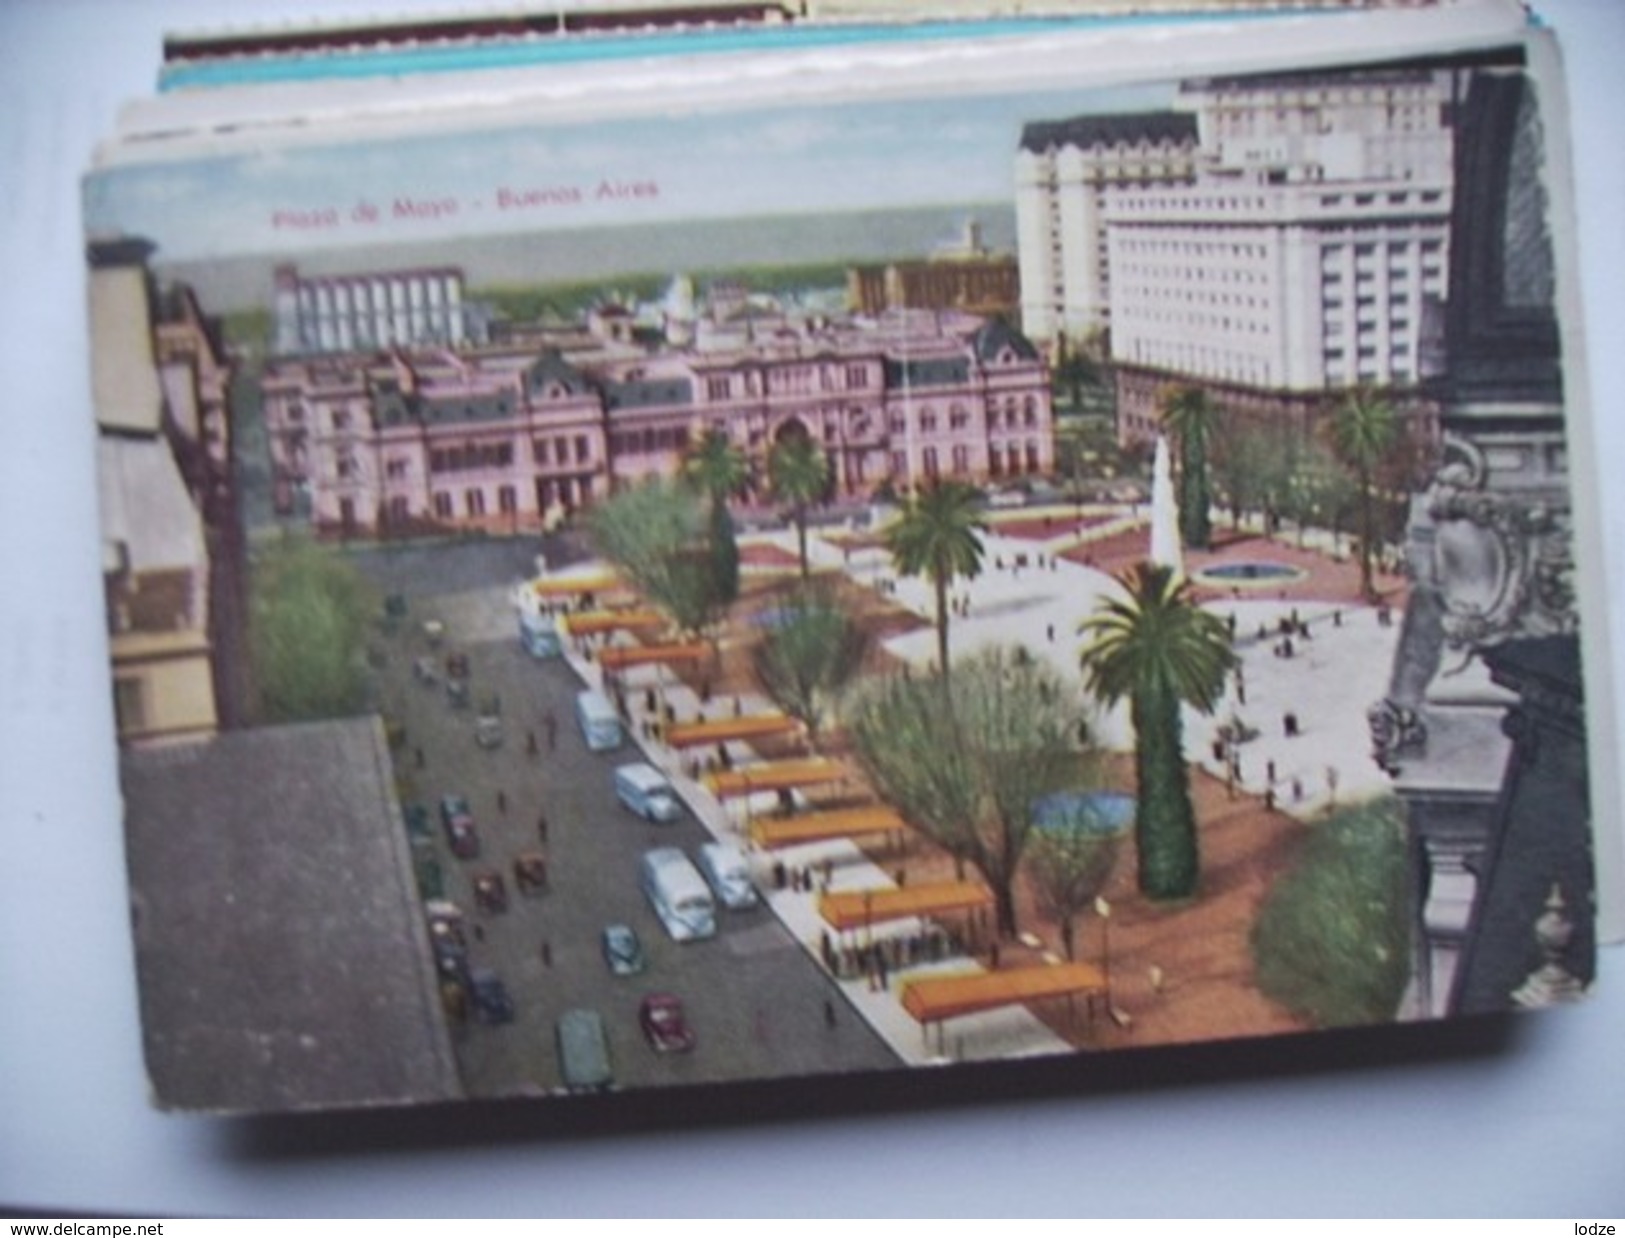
x=600, y=726
x=678, y=894
x=539, y=634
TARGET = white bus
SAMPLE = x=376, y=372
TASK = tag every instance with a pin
x=678, y=894
x=600, y=726
x=647, y=792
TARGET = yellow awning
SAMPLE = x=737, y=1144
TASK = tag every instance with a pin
x=619, y=657
x=597, y=622
x=853, y=909
x=571, y=586
x=775, y=776
x=721, y=730
x=934, y=998
x=815, y=827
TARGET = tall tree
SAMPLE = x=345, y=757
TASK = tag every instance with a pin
x=718, y=469
x=970, y=777
x=309, y=611
x=809, y=655
x=798, y=472
x=1364, y=431
x=1159, y=650
x=656, y=533
x=1190, y=417
x=939, y=536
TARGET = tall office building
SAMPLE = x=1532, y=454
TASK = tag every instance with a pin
x=1068, y=174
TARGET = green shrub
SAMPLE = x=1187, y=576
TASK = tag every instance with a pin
x=1332, y=942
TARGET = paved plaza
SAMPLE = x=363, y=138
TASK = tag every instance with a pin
x=1034, y=591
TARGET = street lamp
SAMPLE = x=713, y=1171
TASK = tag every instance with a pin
x=1103, y=909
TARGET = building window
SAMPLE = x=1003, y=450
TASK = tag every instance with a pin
x=507, y=500
x=442, y=505
x=397, y=469
x=475, y=500
x=130, y=705
x=929, y=458
x=583, y=451
x=399, y=511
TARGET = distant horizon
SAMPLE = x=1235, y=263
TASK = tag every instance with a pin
x=242, y=282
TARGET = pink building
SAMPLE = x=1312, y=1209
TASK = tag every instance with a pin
x=403, y=441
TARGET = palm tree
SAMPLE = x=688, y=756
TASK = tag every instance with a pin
x=715, y=466
x=1190, y=417
x=1157, y=648
x=939, y=535
x=718, y=469
x=798, y=471
x=1365, y=431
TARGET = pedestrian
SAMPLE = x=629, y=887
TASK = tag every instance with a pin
x=551, y=724
x=993, y=956
x=417, y=757
x=829, y=1014
x=530, y=743
x=1050, y=631
x=502, y=803
x=1289, y=724
x=547, y=954
x=479, y=933
x=1269, y=799
x=1297, y=790
x=1269, y=770
x=541, y=828
x=1241, y=690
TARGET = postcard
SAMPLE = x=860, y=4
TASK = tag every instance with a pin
x=760, y=591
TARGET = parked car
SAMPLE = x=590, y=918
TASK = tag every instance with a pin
x=583, y=1050
x=490, y=891
x=417, y=823
x=492, y=1004
x=461, y=833
x=623, y=952
x=446, y=939
x=530, y=872
x=665, y=1025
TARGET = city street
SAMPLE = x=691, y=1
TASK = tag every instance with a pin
x=754, y=998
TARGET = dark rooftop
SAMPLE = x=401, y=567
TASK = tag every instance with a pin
x=282, y=955
x=1116, y=129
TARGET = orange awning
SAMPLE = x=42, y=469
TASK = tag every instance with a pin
x=619, y=657
x=853, y=909
x=721, y=730
x=775, y=776
x=934, y=998
x=570, y=586
x=815, y=827
x=596, y=622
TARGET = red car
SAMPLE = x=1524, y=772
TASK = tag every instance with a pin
x=664, y=1024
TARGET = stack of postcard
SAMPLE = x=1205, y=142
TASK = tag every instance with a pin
x=659, y=548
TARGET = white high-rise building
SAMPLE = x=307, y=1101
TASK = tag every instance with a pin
x=1310, y=252
x=1305, y=248
x=1068, y=173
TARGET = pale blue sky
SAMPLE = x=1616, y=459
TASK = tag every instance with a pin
x=739, y=163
